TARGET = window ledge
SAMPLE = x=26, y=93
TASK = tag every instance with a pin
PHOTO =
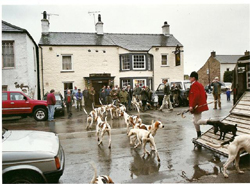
x=8, y=68
x=165, y=66
x=67, y=71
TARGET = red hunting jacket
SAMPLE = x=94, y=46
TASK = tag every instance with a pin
x=197, y=96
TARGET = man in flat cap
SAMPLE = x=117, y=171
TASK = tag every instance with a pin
x=216, y=92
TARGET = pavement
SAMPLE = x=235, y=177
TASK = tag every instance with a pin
x=180, y=162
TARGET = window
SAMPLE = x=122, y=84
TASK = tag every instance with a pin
x=16, y=96
x=125, y=63
x=141, y=82
x=4, y=96
x=125, y=82
x=164, y=60
x=4, y=88
x=139, y=62
x=67, y=63
x=68, y=85
x=8, y=54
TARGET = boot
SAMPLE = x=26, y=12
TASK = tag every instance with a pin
x=198, y=134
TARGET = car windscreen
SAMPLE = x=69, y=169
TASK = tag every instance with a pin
x=58, y=98
x=160, y=87
x=187, y=85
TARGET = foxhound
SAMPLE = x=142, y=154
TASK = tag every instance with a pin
x=103, y=127
x=239, y=144
x=155, y=125
x=131, y=120
x=100, y=179
x=144, y=137
x=92, y=116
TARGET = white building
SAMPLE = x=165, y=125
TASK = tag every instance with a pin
x=19, y=61
x=69, y=59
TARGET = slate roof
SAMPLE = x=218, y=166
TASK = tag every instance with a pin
x=132, y=42
x=10, y=28
x=228, y=59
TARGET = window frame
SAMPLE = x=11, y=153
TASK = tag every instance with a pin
x=166, y=65
x=125, y=55
x=127, y=80
x=72, y=65
x=64, y=90
x=14, y=58
x=144, y=79
x=145, y=63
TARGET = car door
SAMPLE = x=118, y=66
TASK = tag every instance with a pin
x=18, y=103
x=5, y=103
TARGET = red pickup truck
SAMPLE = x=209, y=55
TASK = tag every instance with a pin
x=16, y=103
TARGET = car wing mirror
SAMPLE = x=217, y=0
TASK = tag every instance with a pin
x=25, y=98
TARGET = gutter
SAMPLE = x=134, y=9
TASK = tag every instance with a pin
x=42, y=69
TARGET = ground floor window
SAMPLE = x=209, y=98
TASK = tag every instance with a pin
x=68, y=85
x=140, y=82
x=125, y=82
x=4, y=88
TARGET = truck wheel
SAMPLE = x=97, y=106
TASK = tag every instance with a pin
x=22, y=177
x=40, y=114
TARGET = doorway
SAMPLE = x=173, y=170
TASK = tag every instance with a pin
x=98, y=84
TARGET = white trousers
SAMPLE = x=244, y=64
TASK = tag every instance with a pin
x=198, y=121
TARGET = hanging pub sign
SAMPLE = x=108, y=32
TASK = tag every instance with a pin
x=177, y=53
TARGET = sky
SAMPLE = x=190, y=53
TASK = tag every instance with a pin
x=201, y=28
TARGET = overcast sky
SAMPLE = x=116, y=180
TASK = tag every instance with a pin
x=200, y=28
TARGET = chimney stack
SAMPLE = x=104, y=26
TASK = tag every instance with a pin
x=45, y=24
x=99, y=26
x=213, y=54
x=247, y=53
x=165, y=28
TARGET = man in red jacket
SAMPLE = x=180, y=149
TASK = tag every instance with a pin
x=51, y=100
x=197, y=101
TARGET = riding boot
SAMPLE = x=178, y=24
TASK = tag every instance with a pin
x=198, y=134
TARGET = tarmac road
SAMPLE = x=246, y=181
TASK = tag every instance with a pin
x=179, y=161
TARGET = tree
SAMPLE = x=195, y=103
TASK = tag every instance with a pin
x=228, y=76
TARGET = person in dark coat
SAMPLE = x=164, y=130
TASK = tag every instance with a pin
x=166, y=98
x=144, y=98
x=103, y=96
x=197, y=101
x=130, y=95
x=51, y=101
x=85, y=94
x=108, y=97
x=69, y=101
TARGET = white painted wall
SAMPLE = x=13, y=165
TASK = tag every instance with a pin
x=85, y=63
x=223, y=68
x=23, y=72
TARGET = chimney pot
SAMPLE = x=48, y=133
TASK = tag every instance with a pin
x=45, y=24
x=99, y=26
x=165, y=28
x=213, y=54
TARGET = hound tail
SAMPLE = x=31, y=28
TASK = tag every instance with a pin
x=100, y=101
x=95, y=173
x=148, y=134
x=93, y=106
x=85, y=111
x=106, y=119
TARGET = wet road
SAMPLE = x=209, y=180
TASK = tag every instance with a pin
x=179, y=161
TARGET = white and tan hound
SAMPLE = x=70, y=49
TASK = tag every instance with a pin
x=103, y=127
x=155, y=125
x=131, y=120
x=100, y=179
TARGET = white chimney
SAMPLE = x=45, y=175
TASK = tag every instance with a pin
x=165, y=28
x=45, y=24
x=99, y=26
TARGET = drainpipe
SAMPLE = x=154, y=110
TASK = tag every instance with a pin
x=42, y=68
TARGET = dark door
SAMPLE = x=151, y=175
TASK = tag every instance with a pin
x=97, y=86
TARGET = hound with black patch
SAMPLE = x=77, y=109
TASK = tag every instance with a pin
x=100, y=179
x=103, y=127
x=239, y=144
x=144, y=137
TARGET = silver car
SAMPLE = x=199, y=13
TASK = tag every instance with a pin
x=31, y=157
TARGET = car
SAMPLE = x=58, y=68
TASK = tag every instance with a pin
x=225, y=86
x=16, y=103
x=183, y=98
x=31, y=157
x=60, y=106
x=208, y=88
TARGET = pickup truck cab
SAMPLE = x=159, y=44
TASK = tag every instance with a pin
x=16, y=103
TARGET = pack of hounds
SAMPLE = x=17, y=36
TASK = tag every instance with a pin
x=138, y=133
x=142, y=134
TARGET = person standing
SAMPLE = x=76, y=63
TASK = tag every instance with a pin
x=69, y=100
x=85, y=94
x=228, y=93
x=166, y=98
x=51, y=101
x=114, y=95
x=130, y=95
x=79, y=100
x=216, y=92
x=103, y=96
x=137, y=92
x=124, y=97
x=144, y=98
x=92, y=96
x=197, y=101
x=74, y=90
x=108, y=97
x=175, y=91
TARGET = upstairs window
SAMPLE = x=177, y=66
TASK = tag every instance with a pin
x=164, y=60
x=139, y=62
x=67, y=63
x=8, y=54
x=125, y=63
